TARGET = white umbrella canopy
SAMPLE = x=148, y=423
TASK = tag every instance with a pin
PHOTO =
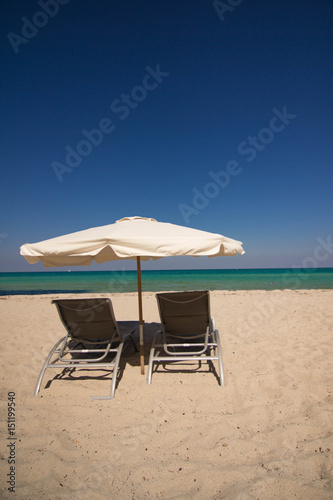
x=128, y=238
x=137, y=238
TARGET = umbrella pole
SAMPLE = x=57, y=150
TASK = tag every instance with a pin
x=142, y=357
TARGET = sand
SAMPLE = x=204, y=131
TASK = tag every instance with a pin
x=267, y=434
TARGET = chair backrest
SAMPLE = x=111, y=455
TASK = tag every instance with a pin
x=88, y=319
x=185, y=314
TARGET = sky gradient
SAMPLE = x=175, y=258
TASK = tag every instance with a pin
x=215, y=115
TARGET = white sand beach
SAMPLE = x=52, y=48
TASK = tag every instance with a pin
x=267, y=434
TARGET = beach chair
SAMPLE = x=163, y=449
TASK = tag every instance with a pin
x=94, y=339
x=188, y=331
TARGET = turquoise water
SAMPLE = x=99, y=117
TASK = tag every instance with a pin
x=154, y=281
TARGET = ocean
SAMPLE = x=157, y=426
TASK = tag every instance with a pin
x=35, y=283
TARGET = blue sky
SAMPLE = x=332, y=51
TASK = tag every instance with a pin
x=215, y=115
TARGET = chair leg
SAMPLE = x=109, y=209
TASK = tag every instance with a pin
x=114, y=375
x=219, y=352
x=45, y=366
x=151, y=358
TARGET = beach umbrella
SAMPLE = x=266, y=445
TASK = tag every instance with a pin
x=136, y=238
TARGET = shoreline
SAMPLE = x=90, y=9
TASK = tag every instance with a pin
x=64, y=295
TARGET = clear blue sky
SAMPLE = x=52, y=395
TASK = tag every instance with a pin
x=219, y=118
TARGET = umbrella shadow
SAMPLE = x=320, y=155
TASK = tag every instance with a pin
x=149, y=331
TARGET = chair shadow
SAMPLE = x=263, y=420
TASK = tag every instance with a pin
x=197, y=369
